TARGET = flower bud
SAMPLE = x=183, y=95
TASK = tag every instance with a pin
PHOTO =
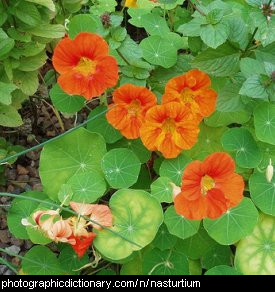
x=269, y=172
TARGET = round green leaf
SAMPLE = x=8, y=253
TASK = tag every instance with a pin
x=133, y=267
x=242, y=143
x=22, y=209
x=262, y=193
x=178, y=225
x=87, y=187
x=40, y=260
x=222, y=271
x=166, y=262
x=264, y=121
x=255, y=254
x=121, y=168
x=217, y=255
x=159, y=51
x=164, y=240
x=155, y=24
x=219, y=119
x=100, y=125
x=81, y=23
x=137, y=217
x=70, y=261
x=64, y=102
x=78, y=152
x=173, y=168
x=162, y=190
x=234, y=225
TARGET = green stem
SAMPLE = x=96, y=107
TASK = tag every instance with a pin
x=123, y=58
x=6, y=263
x=67, y=210
x=5, y=160
x=251, y=40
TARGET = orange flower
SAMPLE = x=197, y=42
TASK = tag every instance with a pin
x=131, y=103
x=209, y=188
x=169, y=128
x=192, y=89
x=84, y=64
x=60, y=231
x=82, y=243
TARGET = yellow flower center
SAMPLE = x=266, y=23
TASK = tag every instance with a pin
x=207, y=183
x=188, y=98
x=169, y=125
x=86, y=66
x=134, y=108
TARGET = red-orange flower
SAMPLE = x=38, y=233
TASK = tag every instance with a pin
x=169, y=128
x=131, y=103
x=85, y=65
x=193, y=90
x=82, y=243
x=209, y=188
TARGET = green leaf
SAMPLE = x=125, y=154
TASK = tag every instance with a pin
x=81, y=23
x=214, y=16
x=155, y=24
x=101, y=126
x=28, y=13
x=136, y=216
x=255, y=253
x=121, y=168
x=87, y=187
x=262, y=193
x=40, y=260
x=223, y=61
x=164, y=240
x=51, y=31
x=26, y=81
x=251, y=67
x=130, y=50
x=159, y=51
x=173, y=168
x=192, y=28
x=6, y=43
x=64, y=102
x=65, y=194
x=9, y=117
x=22, y=208
x=102, y=6
x=242, y=143
x=238, y=30
x=214, y=35
x=217, y=255
x=118, y=34
x=178, y=225
x=234, y=225
x=196, y=246
x=5, y=92
x=219, y=119
x=136, y=14
x=266, y=54
x=157, y=262
x=46, y=3
x=136, y=146
x=162, y=190
x=176, y=40
x=253, y=87
x=222, y=270
x=133, y=267
x=78, y=152
x=265, y=123
x=32, y=63
x=106, y=272
x=70, y=262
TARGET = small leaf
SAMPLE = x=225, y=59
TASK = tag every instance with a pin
x=217, y=255
x=9, y=117
x=5, y=92
x=253, y=87
x=162, y=190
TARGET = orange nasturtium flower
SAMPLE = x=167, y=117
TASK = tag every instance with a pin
x=193, y=90
x=85, y=66
x=131, y=103
x=169, y=128
x=209, y=188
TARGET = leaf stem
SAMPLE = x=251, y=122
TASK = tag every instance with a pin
x=123, y=58
x=251, y=40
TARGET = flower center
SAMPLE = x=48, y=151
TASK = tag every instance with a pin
x=86, y=66
x=188, y=98
x=207, y=183
x=134, y=107
x=169, y=125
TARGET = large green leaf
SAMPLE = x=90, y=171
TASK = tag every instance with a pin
x=81, y=23
x=222, y=270
x=27, y=13
x=159, y=51
x=40, y=260
x=121, y=168
x=78, y=152
x=264, y=121
x=164, y=239
x=162, y=190
x=54, y=31
x=47, y=3
x=219, y=119
x=217, y=255
x=178, y=225
x=136, y=216
x=155, y=24
x=244, y=147
x=214, y=35
x=166, y=262
x=223, y=61
x=255, y=254
x=253, y=87
x=262, y=193
x=234, y=225
x=32, y=63
x=26, y=81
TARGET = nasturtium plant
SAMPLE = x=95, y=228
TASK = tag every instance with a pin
x=156, y=125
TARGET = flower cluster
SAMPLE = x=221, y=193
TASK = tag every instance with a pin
x=74, y=230
x=209, y=188
x=171, y=126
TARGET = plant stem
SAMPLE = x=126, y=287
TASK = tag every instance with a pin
x=6, y=263
x=123, y=58
x=251, y=40
x=196, y=8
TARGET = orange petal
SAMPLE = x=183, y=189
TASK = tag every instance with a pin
x=207, y=102
x=102, y=215
x=217, y=203
x=117, y=117
x=82, y=209
x=202, y=80
x=82, y=243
